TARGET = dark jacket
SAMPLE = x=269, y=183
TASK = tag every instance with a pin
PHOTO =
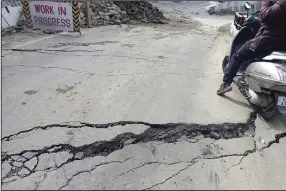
x=272, y=33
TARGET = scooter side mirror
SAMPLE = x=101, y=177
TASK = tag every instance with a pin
x=247, y=6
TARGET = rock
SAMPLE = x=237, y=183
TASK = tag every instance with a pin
x=46, y=161
x=106, y=18
x=112, y=12
x=106, y=23
x=129, y=141
x=215, y=135
x=49, y=31
x=101, y=14
x=23, y=172
x=17, y=164
x=29, y=155
x=78, y=155
x=21, y=159
x=125, y=20
x=117, y=22
x=31, y=163
x=183, y=138
x=81, y=15
x=226, y=127
x=121, y=12
x=163, y=136
x=199, y=137
x=240, y=134
x=227, y=135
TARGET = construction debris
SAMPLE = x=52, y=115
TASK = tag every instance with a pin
x=102, y=13
x=142, y=11
x=120, y=12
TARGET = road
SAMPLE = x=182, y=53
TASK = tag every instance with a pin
x=133, y=107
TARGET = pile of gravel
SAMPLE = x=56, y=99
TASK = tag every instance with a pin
x=120, y=12
x=102, y=13
x=142, y=11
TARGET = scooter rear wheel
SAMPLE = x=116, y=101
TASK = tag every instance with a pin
x=270, y=113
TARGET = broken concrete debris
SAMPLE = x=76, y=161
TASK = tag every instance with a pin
x=23, y=172
x=215, y=135
x=31, y=159
x=120, y=12
x=78, y=155
x=45, y=159
x=31, y=163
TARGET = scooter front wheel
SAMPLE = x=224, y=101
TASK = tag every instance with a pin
x=225, y=63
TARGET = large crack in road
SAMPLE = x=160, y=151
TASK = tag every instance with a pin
x=167, y=133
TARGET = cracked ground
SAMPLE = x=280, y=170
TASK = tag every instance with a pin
x=133, y=107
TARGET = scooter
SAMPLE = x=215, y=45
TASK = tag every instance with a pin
x=261, y=81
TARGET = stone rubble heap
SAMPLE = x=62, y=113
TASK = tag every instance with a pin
x=120, y=12
x=142, y=11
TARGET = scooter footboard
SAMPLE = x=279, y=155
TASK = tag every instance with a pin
x=281, y=102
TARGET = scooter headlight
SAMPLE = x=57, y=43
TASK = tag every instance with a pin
x=282, y=72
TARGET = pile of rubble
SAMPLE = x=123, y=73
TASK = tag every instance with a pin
x=120, y=12
x=142, y=11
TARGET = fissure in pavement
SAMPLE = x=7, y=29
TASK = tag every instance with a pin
x=166, y=133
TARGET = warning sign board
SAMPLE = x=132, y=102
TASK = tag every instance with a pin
x=58, y=16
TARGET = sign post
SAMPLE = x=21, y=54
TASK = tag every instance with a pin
x=59, y=16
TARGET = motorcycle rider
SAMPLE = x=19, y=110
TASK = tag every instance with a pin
x=271, y=36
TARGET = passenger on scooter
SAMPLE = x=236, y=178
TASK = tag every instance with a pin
x=271, y=36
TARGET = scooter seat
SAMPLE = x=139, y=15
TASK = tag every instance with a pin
x=279, y=52
x=276, y=55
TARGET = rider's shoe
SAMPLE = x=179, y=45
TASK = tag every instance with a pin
x=224, y=87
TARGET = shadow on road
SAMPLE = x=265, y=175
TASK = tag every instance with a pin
x=278, y=123
x=237, y=102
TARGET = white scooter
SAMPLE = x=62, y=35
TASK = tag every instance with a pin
x=263, y=81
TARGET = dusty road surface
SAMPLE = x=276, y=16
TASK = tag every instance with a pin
x=133, y=107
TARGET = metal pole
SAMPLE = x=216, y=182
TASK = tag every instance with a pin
x=6, y=21
x=88, y=13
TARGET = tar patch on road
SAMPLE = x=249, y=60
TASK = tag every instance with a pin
x=30, y=92
x=167, y=133
x=65, y=90
x=26, y=162
x=81, y=44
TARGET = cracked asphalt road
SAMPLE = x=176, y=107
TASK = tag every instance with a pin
x=133, y=107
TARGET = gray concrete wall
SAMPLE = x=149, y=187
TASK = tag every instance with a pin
x=216, y=7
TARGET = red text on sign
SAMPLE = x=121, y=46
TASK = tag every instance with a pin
x=52, y=21
x=45, y=9
x=62, y=11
